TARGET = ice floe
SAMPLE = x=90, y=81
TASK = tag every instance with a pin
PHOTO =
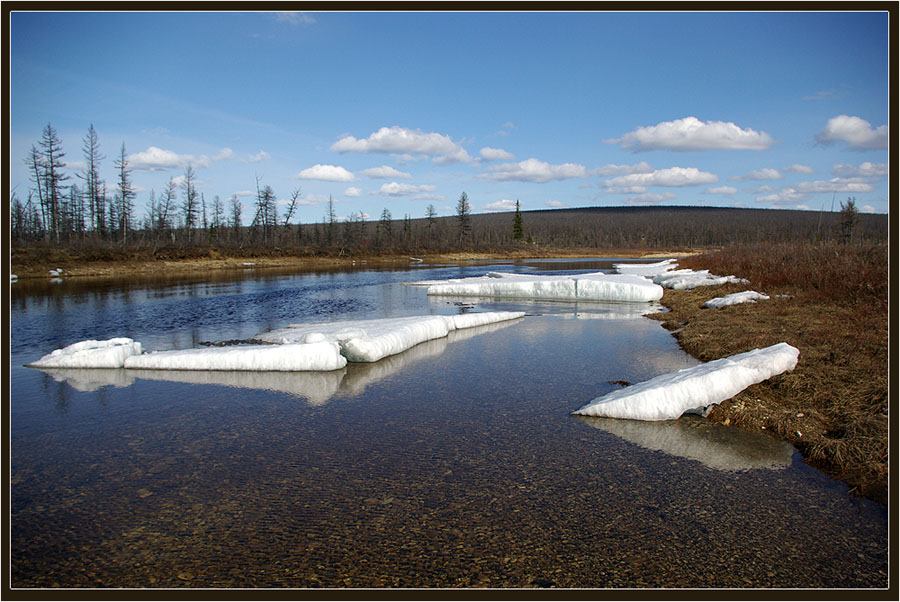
x=313, y=356
x=302, y=347
x=716, y=446
x=110, y=353
x=316, y=387
x=595, y=286
x=694, y=389
x=372, y=340
x=735, y=299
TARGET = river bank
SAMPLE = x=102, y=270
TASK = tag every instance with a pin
x=829, y=302
x=36, y=262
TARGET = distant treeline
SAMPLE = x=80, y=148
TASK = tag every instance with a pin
x=84, y=213
x=594, y=227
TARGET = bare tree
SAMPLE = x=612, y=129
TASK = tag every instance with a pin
x=53, y=175
x=126, y=195
x=92, y=159
x=189, y=204
x=236, y=218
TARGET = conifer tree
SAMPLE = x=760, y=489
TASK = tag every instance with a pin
x=463, y=216
x=518, y=231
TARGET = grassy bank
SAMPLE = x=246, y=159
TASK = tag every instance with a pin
x=35, y=261
x=829, y=301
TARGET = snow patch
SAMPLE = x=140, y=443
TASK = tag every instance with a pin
x=645, y=269
x=664, y=274
x=694, y=389
x=734, y=299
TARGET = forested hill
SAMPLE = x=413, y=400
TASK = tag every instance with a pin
x=638, y=228
x=676, y=226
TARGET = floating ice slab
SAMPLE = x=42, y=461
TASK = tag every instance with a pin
x=596, y=286
x=110, y=353
x=322, y=355
x=303, y=347
x=372, y=340
x=317, y=387
x=668, y=396
x=735, y=299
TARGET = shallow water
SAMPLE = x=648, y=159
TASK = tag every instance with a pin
x=454, y=464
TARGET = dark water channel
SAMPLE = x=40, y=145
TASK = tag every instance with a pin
x=454, y=464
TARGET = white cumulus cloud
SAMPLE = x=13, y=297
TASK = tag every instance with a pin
x=385, y=172
x=836, y=185
x=159, y=159
x=649, y=198
x=726, y=190
x=791, y=195
x=554, y=203
x=673, y=176
x=352, y=191
x=495, y=154
x=503, y=205
x=691, y=134
x=855, y=131
x=867, y=209
x=403, y=189
x=400, y=141
x=328, y=173
x=865, y=168
x=766, y=173
x=618, y=170
x=533, y=170
x=798, y=168
x=260, y=156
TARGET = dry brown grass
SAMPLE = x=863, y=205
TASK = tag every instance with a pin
x=834, y=405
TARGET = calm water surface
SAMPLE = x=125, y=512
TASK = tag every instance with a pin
x=454, y=464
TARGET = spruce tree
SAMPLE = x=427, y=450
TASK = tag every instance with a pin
x=463, y=216
x=518, y=231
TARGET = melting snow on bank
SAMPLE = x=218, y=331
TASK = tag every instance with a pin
x=302, y=347
x=692, y=390
x=664, y=274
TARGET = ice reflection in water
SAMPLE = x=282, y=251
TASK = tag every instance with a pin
x=463, y=467
x=316, y=387
x=692, y=437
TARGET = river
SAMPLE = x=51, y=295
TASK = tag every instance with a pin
x=454, y=464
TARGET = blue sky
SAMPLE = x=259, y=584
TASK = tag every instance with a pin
x=402, y=110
